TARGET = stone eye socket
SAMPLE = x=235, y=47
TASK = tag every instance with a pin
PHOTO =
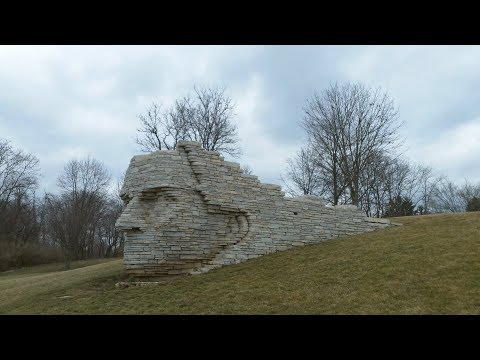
x=170, y=197
x=125, y=198
x=148, y=196
x=158, y=195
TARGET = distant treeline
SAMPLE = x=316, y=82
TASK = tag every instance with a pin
x=77, y=223
x=351, y=157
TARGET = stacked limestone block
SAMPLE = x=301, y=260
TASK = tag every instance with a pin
x=188, y=211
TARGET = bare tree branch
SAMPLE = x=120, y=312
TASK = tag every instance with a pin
x=207, y=118
x=74, y=217
x=349, y=125
x=18, y=180
x=303, y=171
x=247, y=170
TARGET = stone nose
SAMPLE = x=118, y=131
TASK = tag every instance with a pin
x=129, y=219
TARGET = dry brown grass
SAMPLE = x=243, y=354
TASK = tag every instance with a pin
x=26, y=285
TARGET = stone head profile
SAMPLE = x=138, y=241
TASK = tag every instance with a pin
x=170, y=226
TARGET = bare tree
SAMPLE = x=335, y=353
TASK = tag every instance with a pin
x=206, y=118
x=57, y=216
x=74, y=216
x=152, y=129
x=426, y=183
x=386, y=180
x=374, y=192
x=398, y=179
x=178, y=121
x=468, y=192
x=110, y=240
x=162, y=130
x=211, y=124
x=18, y=180
x=350, y=124
x=322, y=129
x=18, y=172
x=247, y=170
x=446, y=196
x=391, y=179
x=304, y=173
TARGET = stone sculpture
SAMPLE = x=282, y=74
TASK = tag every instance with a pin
x=188, y=211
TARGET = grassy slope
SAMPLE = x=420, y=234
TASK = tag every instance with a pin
x=428, y=266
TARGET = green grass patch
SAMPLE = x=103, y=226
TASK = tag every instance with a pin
x=428, y=266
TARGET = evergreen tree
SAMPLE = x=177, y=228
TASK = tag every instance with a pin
x=399, y=206
x=473, y=204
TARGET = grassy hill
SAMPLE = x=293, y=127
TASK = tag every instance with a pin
x=428, y=266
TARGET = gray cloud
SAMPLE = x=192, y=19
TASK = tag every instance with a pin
x=61, y=102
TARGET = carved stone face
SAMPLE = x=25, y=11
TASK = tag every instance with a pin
x=174, y=230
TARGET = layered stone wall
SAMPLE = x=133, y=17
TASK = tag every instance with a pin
x=188, y=211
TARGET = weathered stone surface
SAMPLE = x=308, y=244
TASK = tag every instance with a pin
x=188, y=211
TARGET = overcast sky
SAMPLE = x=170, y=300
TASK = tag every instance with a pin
x=66, y=102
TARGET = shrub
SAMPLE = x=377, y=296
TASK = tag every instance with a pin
x=473, y=204
x=400, y=206
x=29, y=255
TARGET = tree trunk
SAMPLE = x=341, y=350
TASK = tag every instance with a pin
x=109, y=251
x=336, y=195
x=354, y=195
x=67, y=261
